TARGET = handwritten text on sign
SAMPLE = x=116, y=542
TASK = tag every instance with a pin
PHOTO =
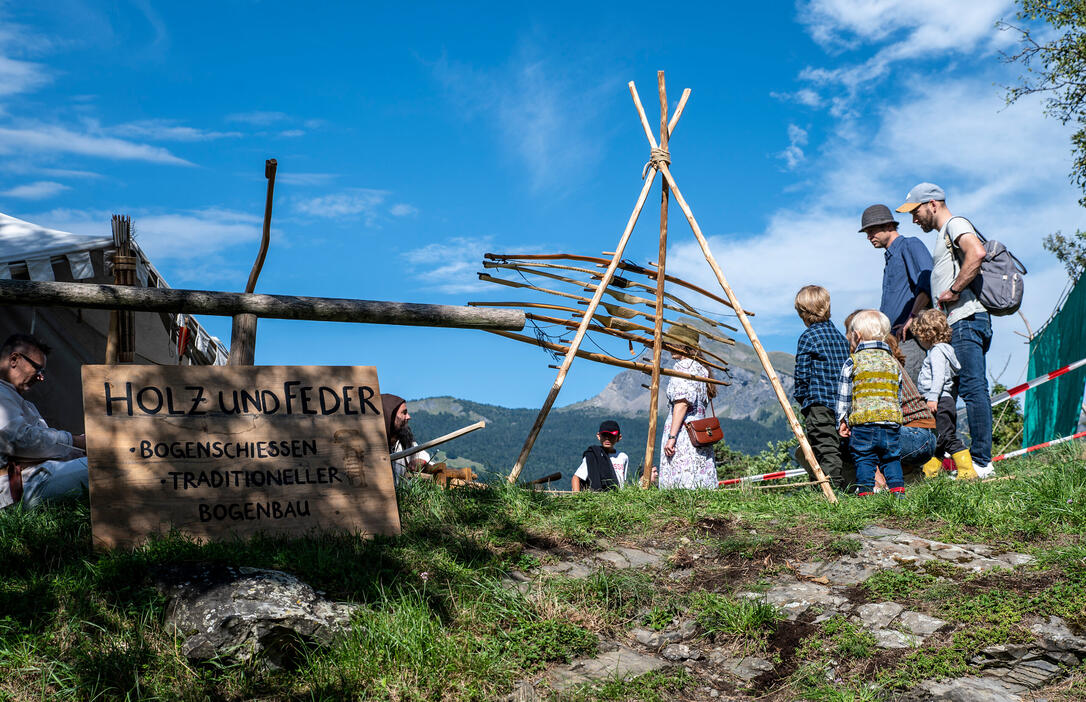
x=217, y=452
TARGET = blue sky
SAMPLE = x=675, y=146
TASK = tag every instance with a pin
x=412, y=139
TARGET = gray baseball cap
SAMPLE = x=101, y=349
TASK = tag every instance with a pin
x=925, y=192
x=874, y=216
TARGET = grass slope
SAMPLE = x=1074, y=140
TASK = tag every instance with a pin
x=436, y=624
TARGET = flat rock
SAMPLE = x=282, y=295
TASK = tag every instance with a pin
x=795, y=598
x=1056, y=636
x=623, y=557
x=967, y=689
x=883, y=548
x=570, y=569
x=890, y=638
x=920, y=624
x=522, y=692
x=248, y=614
x=681, y=574
x=681, y=652
x=747, y=668
x=656, y=639
x=878, y=616
x=623, y=663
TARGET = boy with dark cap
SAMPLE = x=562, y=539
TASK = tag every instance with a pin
x=603, y=467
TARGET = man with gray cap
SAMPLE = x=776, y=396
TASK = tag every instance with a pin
x=906, y=279
x=957, y=256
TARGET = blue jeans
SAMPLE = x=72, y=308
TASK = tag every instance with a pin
x=874, y=446
x=917, y=446
x=971, y=338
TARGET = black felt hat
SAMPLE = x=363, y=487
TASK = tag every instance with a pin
x=876, y=215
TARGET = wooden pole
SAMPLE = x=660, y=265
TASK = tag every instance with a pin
x=227, y=304
x=579, y=336
x=434, y=442
x=243, y=329
x=608, y=360
x=658, y=326
x=797, y=429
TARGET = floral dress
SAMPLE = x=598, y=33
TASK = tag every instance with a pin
x=691, y=467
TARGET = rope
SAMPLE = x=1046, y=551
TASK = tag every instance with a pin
x=656, y=157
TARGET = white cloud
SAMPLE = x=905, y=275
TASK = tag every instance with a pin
x=35, y=191
x=258, y=119
x=21, y=76
x=906, y=31
x=450, y=266
x=403, y=210
x=305, y=178
x=350, y=203
x=57, y=139
x=543, y=114
x=291, y=133
x=194, y=235
x=797, y=139
x=165, y=130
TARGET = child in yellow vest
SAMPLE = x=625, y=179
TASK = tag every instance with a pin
x=869, y=403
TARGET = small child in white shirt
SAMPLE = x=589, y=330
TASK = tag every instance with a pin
x=938, y=383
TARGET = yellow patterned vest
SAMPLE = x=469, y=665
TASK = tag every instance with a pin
x=875, y=385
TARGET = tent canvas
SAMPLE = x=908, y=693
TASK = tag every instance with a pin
x=77, y=337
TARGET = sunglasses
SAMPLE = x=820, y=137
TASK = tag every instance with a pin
x=609, y=434
x=39, y=368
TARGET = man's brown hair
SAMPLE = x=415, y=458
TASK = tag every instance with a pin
x=813, y=304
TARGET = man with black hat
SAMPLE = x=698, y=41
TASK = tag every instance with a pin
x=906, y=279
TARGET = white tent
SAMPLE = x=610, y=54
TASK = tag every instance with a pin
x=30, y=252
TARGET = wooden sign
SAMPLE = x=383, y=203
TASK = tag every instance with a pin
x=218, y=452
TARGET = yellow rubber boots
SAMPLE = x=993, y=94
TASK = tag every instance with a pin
x=932, y=467
x=964, y=462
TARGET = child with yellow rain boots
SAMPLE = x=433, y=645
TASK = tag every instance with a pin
x=938, y=383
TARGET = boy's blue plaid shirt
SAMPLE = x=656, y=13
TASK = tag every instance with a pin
x=821, y=352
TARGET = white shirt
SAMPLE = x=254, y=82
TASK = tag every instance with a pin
x=399, y=466
x=619, y=461
x=945, y=269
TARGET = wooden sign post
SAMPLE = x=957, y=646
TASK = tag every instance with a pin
x=220, y=452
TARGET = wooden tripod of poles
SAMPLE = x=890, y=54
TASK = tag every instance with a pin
x=659, y=163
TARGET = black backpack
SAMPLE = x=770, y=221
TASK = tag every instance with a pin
x=999, y=284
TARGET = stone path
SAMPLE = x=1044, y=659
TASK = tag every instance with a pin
x=818, y=591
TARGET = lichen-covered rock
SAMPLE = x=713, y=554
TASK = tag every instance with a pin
x=248, y=614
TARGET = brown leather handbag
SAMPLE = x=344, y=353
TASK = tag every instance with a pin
x=705, y=432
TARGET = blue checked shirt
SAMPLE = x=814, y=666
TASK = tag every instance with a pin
x=844, y=388
x=820, y=354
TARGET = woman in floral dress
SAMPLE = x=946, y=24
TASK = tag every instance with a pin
x=684, y=465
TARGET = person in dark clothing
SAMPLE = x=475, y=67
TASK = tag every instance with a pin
x=602, y=467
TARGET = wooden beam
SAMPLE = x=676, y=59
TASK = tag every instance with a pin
x=226, y=304
x=658, y=322
x=607, y=360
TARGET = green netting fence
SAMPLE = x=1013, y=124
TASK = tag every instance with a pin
x=1052, y=409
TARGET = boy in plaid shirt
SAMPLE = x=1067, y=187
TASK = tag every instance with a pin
x=821, y=352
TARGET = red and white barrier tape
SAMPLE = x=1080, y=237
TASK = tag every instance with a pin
x=793, y=473
x=1019, y=389
x=1021, y=452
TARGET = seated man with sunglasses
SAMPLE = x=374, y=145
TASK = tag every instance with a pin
x=36, y=462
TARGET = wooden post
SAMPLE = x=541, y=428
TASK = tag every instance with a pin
x=576, y=343
x=121, y=343
x=225, y=304
x=797, y=429
x=243, y=340
x=243, y=330
x=658, y=326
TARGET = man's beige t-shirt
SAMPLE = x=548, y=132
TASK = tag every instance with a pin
x=945, y=268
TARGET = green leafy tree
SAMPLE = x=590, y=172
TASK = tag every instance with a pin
x=1055, y=65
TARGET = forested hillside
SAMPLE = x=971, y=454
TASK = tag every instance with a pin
x=563, y=439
